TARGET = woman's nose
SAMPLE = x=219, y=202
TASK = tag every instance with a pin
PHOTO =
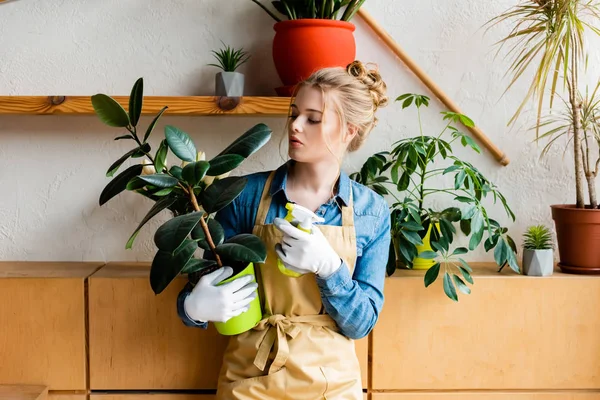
x=296, y=125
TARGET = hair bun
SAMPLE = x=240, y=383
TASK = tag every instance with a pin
x=372, y=80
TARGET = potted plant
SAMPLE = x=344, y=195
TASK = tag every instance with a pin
x=538, y=259
x=229, y=83
x=311, y=35
x=185, y=192
x=548, y=38
x=413, y=175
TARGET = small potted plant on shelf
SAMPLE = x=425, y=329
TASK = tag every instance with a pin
x=538, y=258
x=548, y=39
x=229, y=83
x=422, y=235
x=310, y=35
x=189, y=195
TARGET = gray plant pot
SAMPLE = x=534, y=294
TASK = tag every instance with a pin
x=229, y=84
x=538, y=262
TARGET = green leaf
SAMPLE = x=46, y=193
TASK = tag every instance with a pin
x=160, y=180
x=153, y=123
x=432, y=274
x=466, y=275
x=460, y=250
x=447, y=229
x=390, y=267
x=475, y=239
x=245, y=247
x=452, y=214
x=404, y=181
x=195, y=171
x=460, y=284
x=180, y=143
x=249, y=142
x=500, y=252
x=119, y=183
x=166, y=266
x=217, y=233
x=163, y=192
x=117, y=164
x=156, y=208
x=465, y=226
x=110, y=111
x=135, y=101
x=465, y=265
x=221, y=193
x=176, y=171
x=124, y=137
x=173, y=232
x=195, y=265
x=160, y=159
x=224, y=163
x=449, y=288
x=428, y=255
x=412, y=237
x=463, y=199
x=411, y=226
x=379, y=189
x=466, y=121
x=135, y=183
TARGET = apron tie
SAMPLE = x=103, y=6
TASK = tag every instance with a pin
x=276, y=328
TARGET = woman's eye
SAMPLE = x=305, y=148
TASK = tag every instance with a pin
x=293, y=116
x=312, y=121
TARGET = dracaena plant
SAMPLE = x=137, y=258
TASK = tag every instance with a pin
x=184, y=190
x=548, y=39
x=412, y=174
x=319, y=9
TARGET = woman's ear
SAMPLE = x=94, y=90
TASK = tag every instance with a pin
x=351, y=132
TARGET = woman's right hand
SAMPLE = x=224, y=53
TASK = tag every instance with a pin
x=209, y=302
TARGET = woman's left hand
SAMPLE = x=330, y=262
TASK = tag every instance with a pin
x=304, y=252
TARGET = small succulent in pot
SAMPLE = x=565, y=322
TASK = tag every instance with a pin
x=538, y=257
x=229, y=83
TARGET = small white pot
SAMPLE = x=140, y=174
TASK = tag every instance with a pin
x=229, y=84
x=538, y=262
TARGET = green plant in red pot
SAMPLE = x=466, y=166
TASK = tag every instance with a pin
x=193, y=191
x=548, y=40
x=312, y=35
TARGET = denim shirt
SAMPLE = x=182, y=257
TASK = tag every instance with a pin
x=353, y=301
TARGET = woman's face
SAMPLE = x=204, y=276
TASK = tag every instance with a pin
x=312, y=133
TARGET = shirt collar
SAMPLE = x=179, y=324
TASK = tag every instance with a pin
x=280, y=179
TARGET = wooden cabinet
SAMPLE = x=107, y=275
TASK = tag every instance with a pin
x=488, y=396
x=42, y=309
x=154, y=396
x=512, y=332
x=23, y=392
x=137, y=341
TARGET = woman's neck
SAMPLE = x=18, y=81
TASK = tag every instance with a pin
x=311, y=184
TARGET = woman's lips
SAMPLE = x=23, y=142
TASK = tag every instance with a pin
x=295, y=142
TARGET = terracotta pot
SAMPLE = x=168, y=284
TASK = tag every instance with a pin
x=578, y=234
x=302, y=46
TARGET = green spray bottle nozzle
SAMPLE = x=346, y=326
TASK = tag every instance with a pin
x=301, y=217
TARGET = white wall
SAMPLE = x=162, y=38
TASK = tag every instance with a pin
x=52, y=167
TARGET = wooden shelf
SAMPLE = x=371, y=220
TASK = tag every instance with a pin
x=178, y=105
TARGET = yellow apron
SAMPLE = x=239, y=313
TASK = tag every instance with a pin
x=296, y=351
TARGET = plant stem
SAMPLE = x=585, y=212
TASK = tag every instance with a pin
x=576, y=110
x=209, y=239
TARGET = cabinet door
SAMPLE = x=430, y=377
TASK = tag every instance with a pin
x=138, y=342
x=42, y=309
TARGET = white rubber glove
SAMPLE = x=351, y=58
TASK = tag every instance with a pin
x=304, y=252
x=208, y=302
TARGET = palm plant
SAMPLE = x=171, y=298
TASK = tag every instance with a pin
x=323, y=9
x=548, y=36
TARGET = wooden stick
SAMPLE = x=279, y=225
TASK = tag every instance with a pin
x=435, y=89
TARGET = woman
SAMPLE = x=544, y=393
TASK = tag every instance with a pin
x=303, y=347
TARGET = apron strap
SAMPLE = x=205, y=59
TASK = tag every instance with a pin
x=348, y=212
x=276, y=329
x=265, y=202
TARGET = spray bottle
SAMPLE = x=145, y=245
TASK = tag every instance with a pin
x=302, y=218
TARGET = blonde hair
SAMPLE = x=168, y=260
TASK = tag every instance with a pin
x=356, y=93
